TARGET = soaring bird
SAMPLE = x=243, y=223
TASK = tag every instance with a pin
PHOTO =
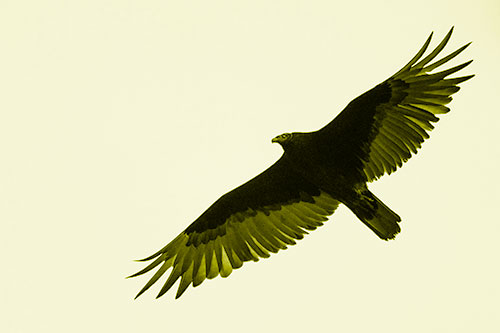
x=372, y=136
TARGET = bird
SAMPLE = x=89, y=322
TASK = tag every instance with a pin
x=373, y=135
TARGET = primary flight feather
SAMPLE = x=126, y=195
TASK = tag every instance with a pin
x=373, y=135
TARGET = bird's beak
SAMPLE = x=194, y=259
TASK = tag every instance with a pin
x=274, y=140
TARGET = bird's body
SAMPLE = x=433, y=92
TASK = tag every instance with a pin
x=374, y=135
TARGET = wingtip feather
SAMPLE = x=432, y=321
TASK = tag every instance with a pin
x=416, y=57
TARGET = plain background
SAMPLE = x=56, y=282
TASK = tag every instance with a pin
x=121, y=121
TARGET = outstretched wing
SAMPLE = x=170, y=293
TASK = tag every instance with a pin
x=260, y=217
x=382, y=128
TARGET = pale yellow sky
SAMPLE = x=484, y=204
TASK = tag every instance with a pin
x=122, y=121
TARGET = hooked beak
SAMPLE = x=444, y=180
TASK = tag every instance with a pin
x=275, y=140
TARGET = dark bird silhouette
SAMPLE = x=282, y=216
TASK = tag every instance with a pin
x=373, y=135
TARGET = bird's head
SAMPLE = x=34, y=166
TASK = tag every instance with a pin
x=283, y=139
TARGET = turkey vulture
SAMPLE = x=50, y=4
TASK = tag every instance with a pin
x=373, y=135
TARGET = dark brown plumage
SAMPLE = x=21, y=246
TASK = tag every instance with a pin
x=373, y=135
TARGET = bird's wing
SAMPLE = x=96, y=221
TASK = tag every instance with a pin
x=382, y=128
x=264, y=215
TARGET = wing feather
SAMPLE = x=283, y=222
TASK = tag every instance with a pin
x=253, y=243
x=200, y=274
x=399, y=145
x=283, y=220
x=266, y=226
x=387, y=160
x=434, y=53
x=265, y=241
x=186, y=280
x=240, y=244
x=210, y=262
x=199, y=271
x=174, y=275
x=283, y=226
x=417, y=56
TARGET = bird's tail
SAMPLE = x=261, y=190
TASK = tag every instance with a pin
x=377, y=216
